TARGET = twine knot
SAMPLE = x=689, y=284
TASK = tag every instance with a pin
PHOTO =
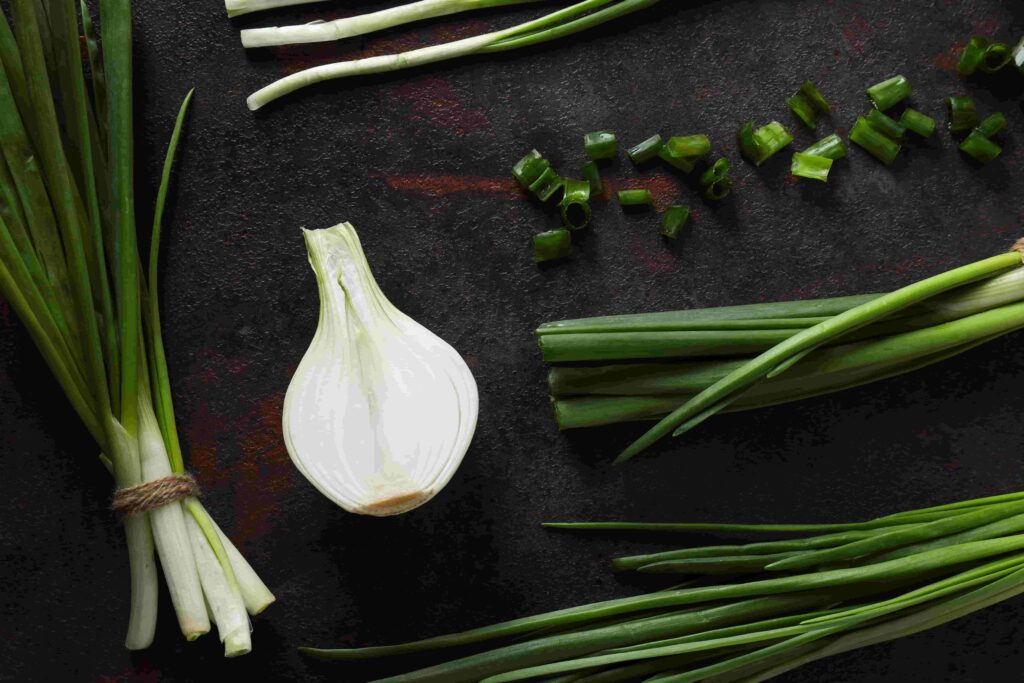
x=154, y=494
x=1018, y=246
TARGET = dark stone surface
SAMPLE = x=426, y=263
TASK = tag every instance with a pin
x=419, y=163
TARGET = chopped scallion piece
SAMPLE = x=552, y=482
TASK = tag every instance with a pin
x=889, y=92
x=963, y=115
x=575, y=204
x=885, y=125
x=997, y=55
x=881, y=146
x=673, y=220
x=551, y=245
x=601, y=144
x=992, y=124
x=635, y=197
x=547, y=184
x=646, y=150
x=973, y=53
x=980, y=148
x=1017, y=56
x=760, y=144
x=529, y=168
x=688, y=145
x=810, y=166
x=808, y=104
x=830, y=147
x=715, y=182
x=748, y=146
x=593, y=176
x=915, y=121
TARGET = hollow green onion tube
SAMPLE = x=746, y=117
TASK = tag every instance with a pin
x=575, y=205
x=991, y=124
x=808, y=104
x=810, y=166
x=600, y=144
x=972, y=54
x=997, y=56
x=646, y=150
x=878, y=144
x=979, y=147
x=688, y=145
x=673, y=221
x=919, y=123
x=635, y=197
x=528, y=169
x=963, y=115
x=830, y=147
x=889, y=92
x=592, y=175
x=547, y=184
x=558, y=24
x=885, y=125
x=758, y=145
x=715, y=182
x=551, y=245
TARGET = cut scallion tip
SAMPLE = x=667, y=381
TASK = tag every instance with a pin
x=673, y=220
x=963, y=115
x=881, y=146
x=528, y=169
x=992, y=124
x=635, y=198
x=600, y=144
x=885, y=125
x=551, y=245
x=808, y=104
x=919, y=123
x=980, y=148
x=547, y=184
x=973, y=53
x=758, y=145
x=715, y=182
x=592, y=175
x=646, y=150
x=830, y=147
x=575, y=204
x=889, y=92
x=810, y=166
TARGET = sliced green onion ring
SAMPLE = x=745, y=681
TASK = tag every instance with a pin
x=963, y=115
x=992, y=124
x=881, y=146
x=601, y=144
x=592, y=175
x=980, y=148
x=885, y=125
x=973, y=53
x=810, y=166
x=646, y=150
x=758, y=145
x=889, y=92
x=808, y=104
x=528, y=169
x=551, y=245
x=575, y=204
x=547, y=184
x=673, y=220
x=997, y=55
x=919, y=123
x=830, y=147
x=715, y=182
x=639, y=197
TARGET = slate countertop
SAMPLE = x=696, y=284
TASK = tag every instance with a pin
x=418, y=162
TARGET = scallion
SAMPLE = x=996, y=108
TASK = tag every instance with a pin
x=885, y=125
x=830, y=147
x=688, y=145
x=646, y=150
x=592, y=175
x=1017, y=55
x=979, y=147
x=991, y=124
x=575, y=204
x=963, y=115
x=528, y=169
x=547, y=184
x=810, y=166
x=551, y=245
x=600, y=144
x=881, y=146
x=758, y=145
x=889, y=92
x=919, y=123
x=640, y=197
x=997, y=55
x=715, y=182
x=673, y=221
x=808, y=104
x=972, y=54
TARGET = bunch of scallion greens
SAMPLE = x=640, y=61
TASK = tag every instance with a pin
x=830, y=589
x=71, y=270
x=566, y=21
x=682, y=367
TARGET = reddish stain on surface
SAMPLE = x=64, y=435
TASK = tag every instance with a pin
x=654, y=262
x=948, y=60
x=433, y=100
x=141, y=673
x=988, y=27
x=857, y=33
x=439, y=185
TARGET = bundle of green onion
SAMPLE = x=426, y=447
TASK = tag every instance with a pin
x=682, y=367
x=70, y=268
x=832, y=588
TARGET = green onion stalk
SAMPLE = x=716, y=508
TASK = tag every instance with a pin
x=682, y=367
x=749, y=611
x=558, y=24
x=71, y=270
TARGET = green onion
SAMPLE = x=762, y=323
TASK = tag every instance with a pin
x=997, y=55
x=881, y=146
x=977, y=146
x=551, y=245
x=810, y=166
x=808, y=104
x=673, y=220
x=830, y=147
x=575, y=204
x=889, y=92
x=558, y=24
x=528, y=169
x=239, y=7
x=601, y=145
x=547, y=184
x=646, y=150
x=973, y=53
x=688, y=145
x=758, y=145
x=992, y=124
x=963, y=115
x=1017, y=55
x=919, y=123
x=592, y=175
x=715, y=182
x=635, y=198
x=885, y=125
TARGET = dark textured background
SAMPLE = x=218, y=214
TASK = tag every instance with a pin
x=419, y=163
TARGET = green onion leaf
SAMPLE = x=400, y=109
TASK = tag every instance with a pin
x=551, y=245
x=601, y=145
x=646, y=150
x=592, y=175
x=575, y=204
x=919, y=123
x=830, y=147
x=979, y=147
x=885, y=125
x=715, y=182
x=963, y=115
x=810, y=166
x=889, y=92
x=528, y=169
x=992, y=124
x=881, y=146
x=635, y=197
x=673, y=220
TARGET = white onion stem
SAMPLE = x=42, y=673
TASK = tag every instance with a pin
x=224, y=602
x=255, y=594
